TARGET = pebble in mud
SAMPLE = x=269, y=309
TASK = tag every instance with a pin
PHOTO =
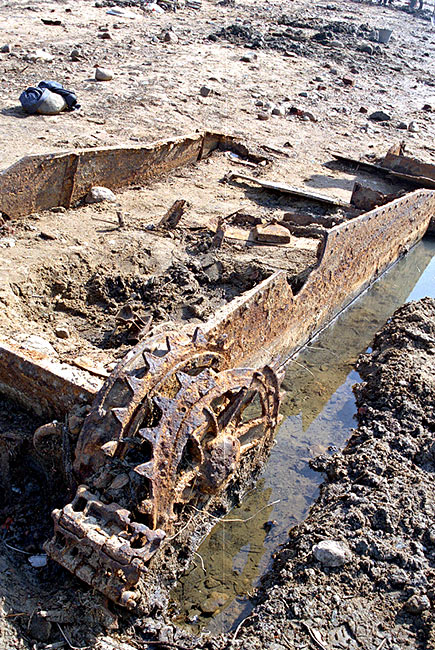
x=331, y=553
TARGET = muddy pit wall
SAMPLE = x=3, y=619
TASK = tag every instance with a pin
x=41, y=182
x=260, y=325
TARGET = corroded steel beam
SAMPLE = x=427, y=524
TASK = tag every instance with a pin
x=270, y=318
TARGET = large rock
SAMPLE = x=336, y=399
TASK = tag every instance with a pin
x=99, y=194
x=103, y=74
x=53, y=104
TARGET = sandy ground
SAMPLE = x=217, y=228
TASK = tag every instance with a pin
x=155, y=93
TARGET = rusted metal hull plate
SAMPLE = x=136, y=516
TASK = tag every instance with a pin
x=269, y=318
x=41, y=182
x=47, y=387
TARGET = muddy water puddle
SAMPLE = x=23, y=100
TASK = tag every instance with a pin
x=318, y=408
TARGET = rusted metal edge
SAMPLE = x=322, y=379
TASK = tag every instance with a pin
x=44, y=385
x=270, y=318
x=290, y=189
x=41, y=182
x=397, y=167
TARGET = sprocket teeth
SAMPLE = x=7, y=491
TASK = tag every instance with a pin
x=109, y=448
x=166, y=404
x=121, y=414
x=133, y=383
x=145, y=469
x=199, y=336
x=151, y=434
x=185, y=380
x=152, y=362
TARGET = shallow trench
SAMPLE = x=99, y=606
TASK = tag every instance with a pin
x=318, y=409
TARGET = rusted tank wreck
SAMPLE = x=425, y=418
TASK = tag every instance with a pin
x=189, y=411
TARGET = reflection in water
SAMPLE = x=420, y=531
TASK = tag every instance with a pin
x=318, y=408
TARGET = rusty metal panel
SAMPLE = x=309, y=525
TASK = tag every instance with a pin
x=41, y=182
x=44, y=181
x=269, y=318
x=120, y=167
x=37, y=183
x=47, y=387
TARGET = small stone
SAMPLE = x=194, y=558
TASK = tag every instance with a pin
x=417, y=604
x=402, y=125
x=212, y=604
x=62, y=332
x=379, y=116
x=98, y=194
x=75, y=54
x=103, y=74
x=53, y=104
x=278, y=111
x=4, y=49
x=331, y=553
x=363, y=110
x=39, y=55
x=170, y=37
x=105, y=35
x=248, y=58
x=366, y=48
x=58, y=209
x=37, y=343
x=348, y=82
x=413, y=127
x=205, y=91
x=263, y=116
x=269, y=106
x=303, y=94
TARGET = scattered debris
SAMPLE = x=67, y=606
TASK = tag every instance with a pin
x=205, y=91
x=271, y=233
x=48, y=98
x=38, y=561
x=174, y=214
x=365, y=198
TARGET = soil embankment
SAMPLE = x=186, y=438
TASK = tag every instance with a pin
x=377, y=503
